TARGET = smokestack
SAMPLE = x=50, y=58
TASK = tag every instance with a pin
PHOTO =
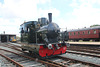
x=50, y=17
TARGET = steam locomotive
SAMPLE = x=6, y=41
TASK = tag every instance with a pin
x=42, y=38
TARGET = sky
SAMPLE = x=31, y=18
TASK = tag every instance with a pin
x=70, y=14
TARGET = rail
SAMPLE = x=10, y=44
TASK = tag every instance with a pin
x=14, y=62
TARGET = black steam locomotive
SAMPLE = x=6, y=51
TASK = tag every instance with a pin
x=42, y=38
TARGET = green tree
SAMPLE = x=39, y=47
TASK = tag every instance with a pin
x=94, y=25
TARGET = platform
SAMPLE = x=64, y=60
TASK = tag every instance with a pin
x=84, y=43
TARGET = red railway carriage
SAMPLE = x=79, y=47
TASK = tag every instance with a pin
x=85, y=34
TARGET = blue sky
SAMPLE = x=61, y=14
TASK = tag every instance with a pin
x=70, y=14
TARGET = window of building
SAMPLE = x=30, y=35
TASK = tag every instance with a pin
x=88, y=32
x=94, y=31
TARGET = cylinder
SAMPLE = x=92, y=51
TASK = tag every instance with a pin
x=50, y=17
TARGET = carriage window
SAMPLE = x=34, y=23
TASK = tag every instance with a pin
x=78, y=33
x=74, y=33
x=70, y=33
x=83, y=32
x=94, y=31
x=88, y=32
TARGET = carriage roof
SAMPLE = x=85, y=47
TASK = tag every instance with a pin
x=82, y=29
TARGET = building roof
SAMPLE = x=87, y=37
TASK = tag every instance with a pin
x=9, y=34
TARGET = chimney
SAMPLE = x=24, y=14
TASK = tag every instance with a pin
x=50, y=17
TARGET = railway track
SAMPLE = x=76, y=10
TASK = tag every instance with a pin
x=30, y=60
x=86, y=48
x=89, y=64
x=83, y=53
x=19, y=60
x=86, y=62
x=89, y=51
x=48, y=63
x=64, y=62
x=12, y=61
x=60, y=63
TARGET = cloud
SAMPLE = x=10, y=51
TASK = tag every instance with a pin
x=14, y=12
x=10, y=26
x=43, y=1
x=84, y=13
x=44, y=12
x=25, y=9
